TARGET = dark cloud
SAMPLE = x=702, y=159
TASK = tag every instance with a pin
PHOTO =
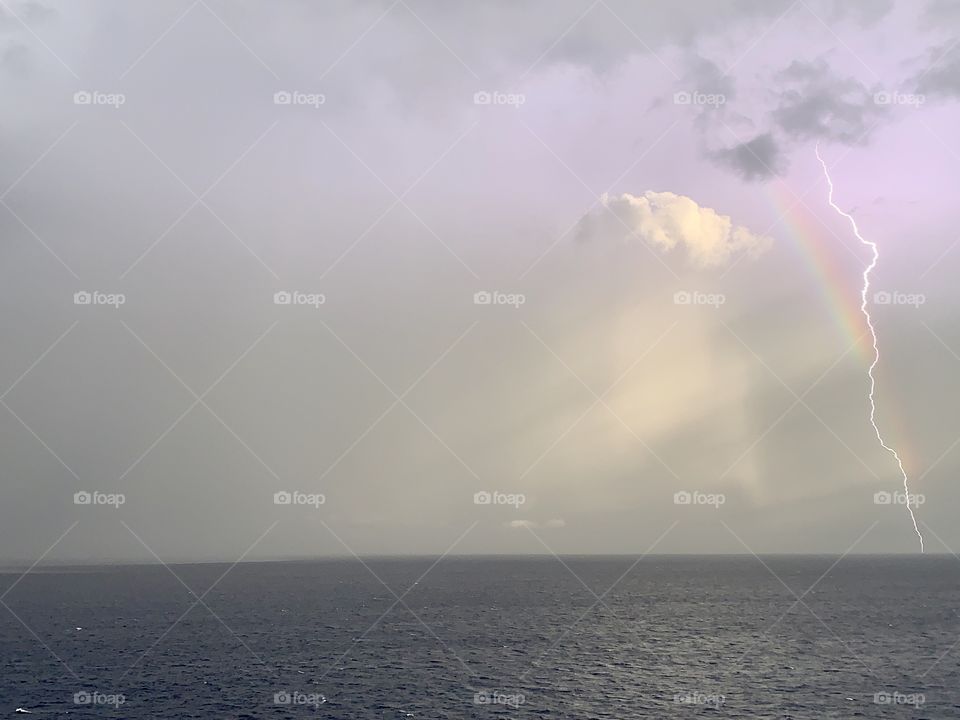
x=866, y=12
x=705, y=76
x=939, y=12
x=757, y=159
x=816, y=104
x=812, y=103
x=15, y=58
x=30, y=13
x=15, y=55
x=941, y=75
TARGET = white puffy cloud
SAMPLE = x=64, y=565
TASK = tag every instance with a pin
x=666, y=220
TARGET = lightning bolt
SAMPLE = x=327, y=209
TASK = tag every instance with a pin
x=876, y=349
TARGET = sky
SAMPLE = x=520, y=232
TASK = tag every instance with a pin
x=418, y=277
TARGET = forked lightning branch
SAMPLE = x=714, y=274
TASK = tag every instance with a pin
x=864, y=308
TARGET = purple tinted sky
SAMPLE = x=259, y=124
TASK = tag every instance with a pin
x=491, y=197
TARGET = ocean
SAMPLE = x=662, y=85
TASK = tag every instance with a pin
x=508, y=637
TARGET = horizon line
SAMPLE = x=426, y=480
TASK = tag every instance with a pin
x=7, y=566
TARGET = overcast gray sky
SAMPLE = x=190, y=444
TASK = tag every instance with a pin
x=674, y=304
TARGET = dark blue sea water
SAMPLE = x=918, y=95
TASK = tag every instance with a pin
x=487, y=637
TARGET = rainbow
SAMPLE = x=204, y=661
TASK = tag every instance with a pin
x=838, y=275
x=830, y=264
